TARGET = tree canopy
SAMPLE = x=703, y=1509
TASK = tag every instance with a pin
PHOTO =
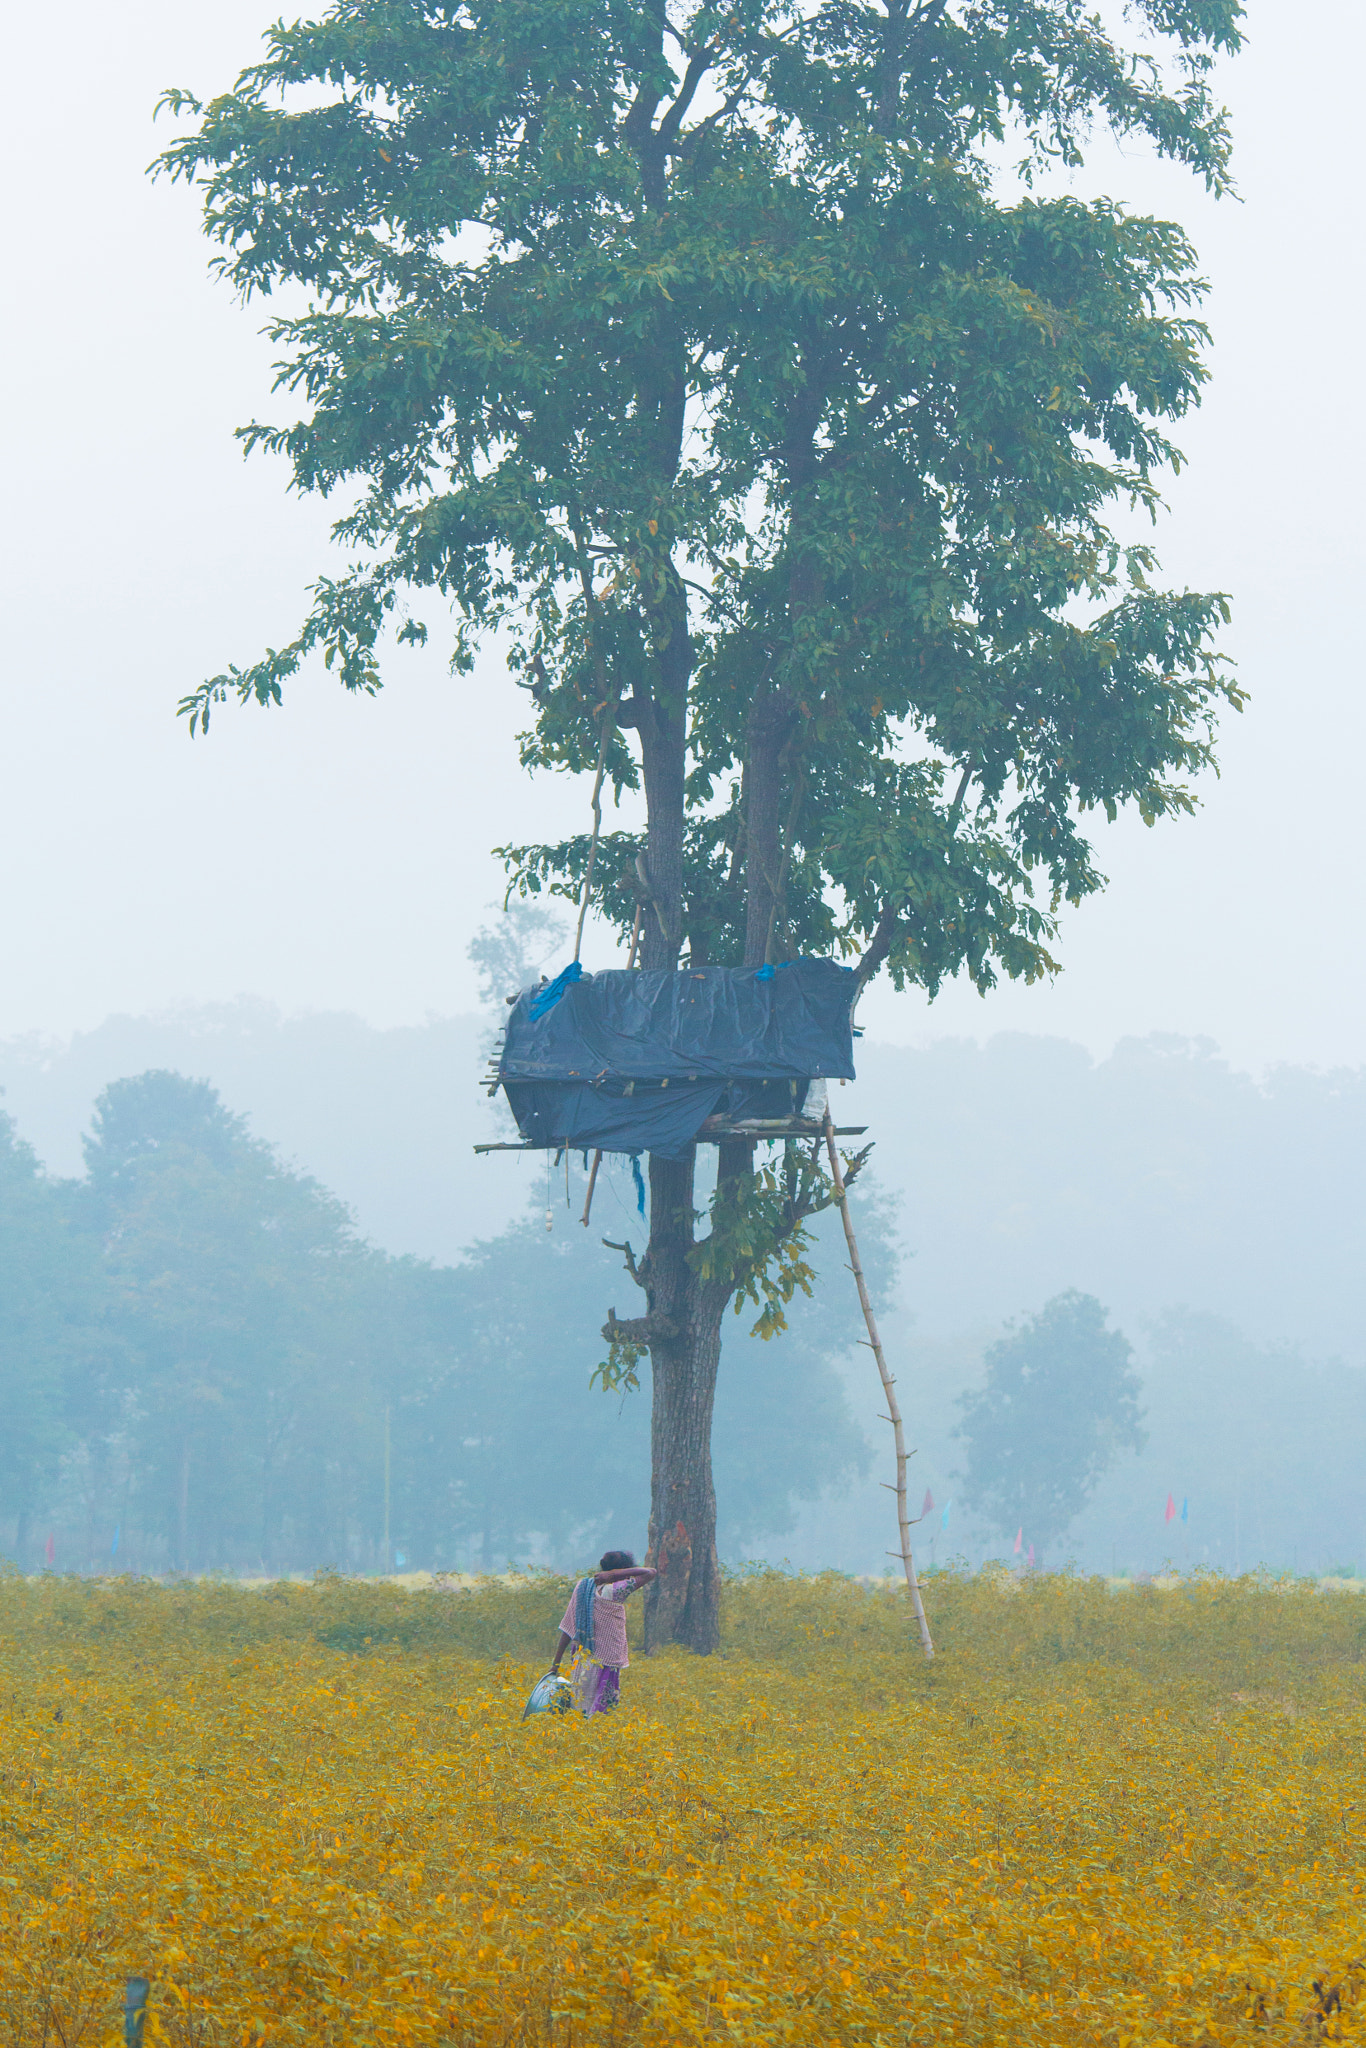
x=701, y=355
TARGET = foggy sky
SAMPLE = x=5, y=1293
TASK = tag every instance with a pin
x=335, y=855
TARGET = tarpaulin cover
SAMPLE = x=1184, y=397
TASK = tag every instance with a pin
x=635, y=1060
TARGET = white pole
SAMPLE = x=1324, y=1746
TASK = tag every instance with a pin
x=388, y=1554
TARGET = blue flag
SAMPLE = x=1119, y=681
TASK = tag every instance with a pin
x=546, y=998
x=1185, y=1510
x=114, y=1546
x=944, y=1518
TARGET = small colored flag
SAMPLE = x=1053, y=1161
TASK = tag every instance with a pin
x=1030, y=1559
x=1019, y=1541
x=50, y=1549
x=399, y=1559
x=114, y=1546
x=1185, y=1510
x=944, y=1518
x=927, y=1505
x=1170, y=1515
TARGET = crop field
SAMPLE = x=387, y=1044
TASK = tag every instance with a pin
x=311, y=1814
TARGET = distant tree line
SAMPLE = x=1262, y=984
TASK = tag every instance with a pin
x=203, y=1366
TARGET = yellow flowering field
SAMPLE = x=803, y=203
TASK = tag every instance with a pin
x=311, y=1814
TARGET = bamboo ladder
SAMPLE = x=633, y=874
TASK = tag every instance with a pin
x=893, y=1414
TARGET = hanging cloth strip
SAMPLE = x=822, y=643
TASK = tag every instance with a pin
x=545, y=999
x=584, y=1594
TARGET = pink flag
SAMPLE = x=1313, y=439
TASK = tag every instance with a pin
x=927, y=1505
x=1019, y=1542
x=1030, y=1559
x=50, y=1550
x=1170, y=1515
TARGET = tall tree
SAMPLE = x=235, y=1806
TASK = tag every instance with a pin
x=713, y=357
x=1059, y=1405
x=47, y=1314
x=219, y=1264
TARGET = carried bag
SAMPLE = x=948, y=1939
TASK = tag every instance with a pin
x=550, y=1695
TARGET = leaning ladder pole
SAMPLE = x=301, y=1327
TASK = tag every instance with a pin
x=889, y=1389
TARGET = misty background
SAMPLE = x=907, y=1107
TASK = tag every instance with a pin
x=285, y=910
x=1217, y=1218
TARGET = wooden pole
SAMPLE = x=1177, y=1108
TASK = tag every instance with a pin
x=592, y=1183
x=388, y=1554
x=889, y=1389
x=597, y=1156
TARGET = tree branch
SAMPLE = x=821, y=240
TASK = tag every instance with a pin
x=698, y=66
x=632, y=712
x=956, y=807
x=631, y=1266
x=645, y=1330
x=885, y=930
x=713, y=120
x=879, y=946
x=902, y=19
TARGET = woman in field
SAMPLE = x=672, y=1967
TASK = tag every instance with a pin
x=594, y=1626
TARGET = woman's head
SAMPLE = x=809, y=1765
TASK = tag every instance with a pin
x=616, y=1561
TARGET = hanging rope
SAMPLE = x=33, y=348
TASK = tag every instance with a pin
x=606, y=706
x=597, y=1156
x=608, y=728
x=893, y=1414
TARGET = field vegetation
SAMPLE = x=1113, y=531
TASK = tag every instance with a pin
x=311, y=1814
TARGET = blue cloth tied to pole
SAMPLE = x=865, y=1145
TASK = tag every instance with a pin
x=546, y=998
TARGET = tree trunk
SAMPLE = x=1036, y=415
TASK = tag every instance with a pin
x=684, y=1603
x=684, y=1319
x=770, y=724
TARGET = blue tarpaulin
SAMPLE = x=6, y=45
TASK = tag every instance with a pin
x=636, y=1060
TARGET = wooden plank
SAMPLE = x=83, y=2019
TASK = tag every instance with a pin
x=704, y=1136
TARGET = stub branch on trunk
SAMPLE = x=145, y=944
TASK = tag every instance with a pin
x=643, y=1330
x=632, y=1265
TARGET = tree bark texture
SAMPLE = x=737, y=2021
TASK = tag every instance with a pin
x=684, y=1603
x=769, y=726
